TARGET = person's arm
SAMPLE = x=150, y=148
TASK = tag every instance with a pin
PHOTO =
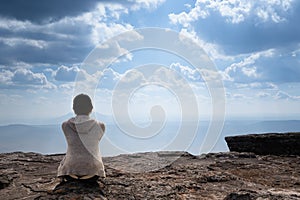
x=64, y=125
x=101, y=133
x=102, y=126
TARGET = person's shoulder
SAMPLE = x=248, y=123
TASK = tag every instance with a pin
x=98, y=123
x=66, y=123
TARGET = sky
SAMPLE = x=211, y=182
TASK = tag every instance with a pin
x=253, y=45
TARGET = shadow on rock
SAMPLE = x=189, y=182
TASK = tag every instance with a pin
x=79, y=188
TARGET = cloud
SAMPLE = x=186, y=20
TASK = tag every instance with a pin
x=65, y=41
x=24, y=78
x=213, y=50
x=235, y=11
x=12, y=42
x=68, y=37
x=235, y=96
x=245, y=70
x=271, y=66
x=263, y=95
x=239, y=96
x=132, y=78
x=281, y=95
x=240, y=27
x=44, y=11
x=187, y=72
x=27, y=77
x=103, y=31
x=5, y=77
x=37, y=51
x=185, y=19
x=284, y=69
x=273, y=10
x=148, y=4
x=256, y=85
x=110, y=52
x=109, y=79
x=67, y=74
x=49, y=44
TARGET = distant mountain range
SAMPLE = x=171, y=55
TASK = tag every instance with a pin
x=107, y=119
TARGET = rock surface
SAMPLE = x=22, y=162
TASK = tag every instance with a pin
x=229, y=176
x=266, y=144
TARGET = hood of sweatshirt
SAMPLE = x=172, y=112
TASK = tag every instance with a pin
x=82, y=123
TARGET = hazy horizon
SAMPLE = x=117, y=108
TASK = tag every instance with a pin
x=49, y=139
x=109, y=119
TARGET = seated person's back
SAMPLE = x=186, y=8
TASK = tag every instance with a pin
x=83, y=158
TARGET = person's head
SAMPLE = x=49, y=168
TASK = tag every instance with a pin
x=82, y=104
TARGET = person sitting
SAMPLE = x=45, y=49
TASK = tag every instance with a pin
x=83, y=160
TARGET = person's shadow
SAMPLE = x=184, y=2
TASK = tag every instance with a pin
x=79, y=188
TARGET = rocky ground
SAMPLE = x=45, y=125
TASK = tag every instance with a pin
x=157, y=175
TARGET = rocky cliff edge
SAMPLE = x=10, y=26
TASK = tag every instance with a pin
x=229, y=175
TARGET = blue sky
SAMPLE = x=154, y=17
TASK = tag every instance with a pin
x=255, y=46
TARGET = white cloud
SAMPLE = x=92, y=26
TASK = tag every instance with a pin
x=5, y=77
x=269, y=15
x=24, y=78
x=281, y=95
x=67, y=74
x=67, y=86
x=103, y=31
x=109, y=79
x=68, y=38
x=186, y=18
x=196, y=75
x=250, y=72
x=246, y=69
x=296, y=52
x=177, y=82
x=239, y=96
x=133, y=76
x=166, y=77
x=232, y=96
x=187, y=72
x=96, y=25
x=148, y=4
x=104, y=55
x=257, y=85
x=213, y=50
x=130, y=79
x=263, y=94
x=13, y=24
x=234, y=11
x=23, y=41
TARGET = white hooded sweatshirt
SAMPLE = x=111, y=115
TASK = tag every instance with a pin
x=83, y=155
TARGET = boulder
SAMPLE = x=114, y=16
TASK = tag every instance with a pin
x=266, y=144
